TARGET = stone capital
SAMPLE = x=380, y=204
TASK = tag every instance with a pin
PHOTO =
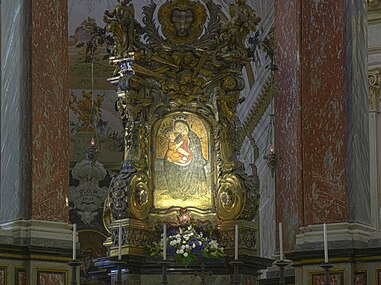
x=373, y=4
x=374, y=95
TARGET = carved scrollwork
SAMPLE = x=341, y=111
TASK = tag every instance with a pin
x=118, y=201
x=252, y=198
x=139, y=196
x=374, y=81
x=231, y=197
x=233, y=33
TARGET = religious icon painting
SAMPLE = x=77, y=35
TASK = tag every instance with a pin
x=182, y=169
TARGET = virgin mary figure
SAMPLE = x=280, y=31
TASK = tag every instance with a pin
x=184, y=163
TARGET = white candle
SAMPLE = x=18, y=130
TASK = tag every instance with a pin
x=236, y=242
x=165, y=242
x=120, y=242
x=74, y=241
x=325, y=243
x=281, y=254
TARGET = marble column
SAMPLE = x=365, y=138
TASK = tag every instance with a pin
x=34, y=216
x=34, y=111
x=15, y=129
x=321, y=114
x=49, y=111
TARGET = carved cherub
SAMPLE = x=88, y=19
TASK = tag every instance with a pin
x=243, y=20
x=121, y=22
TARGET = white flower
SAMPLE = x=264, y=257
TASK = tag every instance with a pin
x=181, y=251
x=185, y=254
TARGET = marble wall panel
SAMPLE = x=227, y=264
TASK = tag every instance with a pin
x=360, y=278
x=49, y=110
x=3, y=275
x=334, y=279
x=20, y=277
x=47, y=278
x=287, y=138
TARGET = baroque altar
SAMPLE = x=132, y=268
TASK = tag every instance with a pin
x=178, y=80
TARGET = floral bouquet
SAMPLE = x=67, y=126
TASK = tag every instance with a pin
x=186, y=245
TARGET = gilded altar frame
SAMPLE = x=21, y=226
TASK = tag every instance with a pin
x=176, y=89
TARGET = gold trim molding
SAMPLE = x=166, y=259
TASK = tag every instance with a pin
x=258, y=109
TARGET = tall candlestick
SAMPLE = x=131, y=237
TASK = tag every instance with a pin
x=236, y=242
x=325, y=243
x=281, y=254
x=165, y=242
x=74, y=241
x=120, y=241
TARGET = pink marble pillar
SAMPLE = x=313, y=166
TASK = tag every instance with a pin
x=315, y=114
x=49, y=110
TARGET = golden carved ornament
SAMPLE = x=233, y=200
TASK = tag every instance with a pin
x=231, y=197
x=182, y=21
x=107, y=215
x=139, y=197
x=125, y=29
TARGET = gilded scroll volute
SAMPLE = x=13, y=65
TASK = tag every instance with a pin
x=231, y=197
